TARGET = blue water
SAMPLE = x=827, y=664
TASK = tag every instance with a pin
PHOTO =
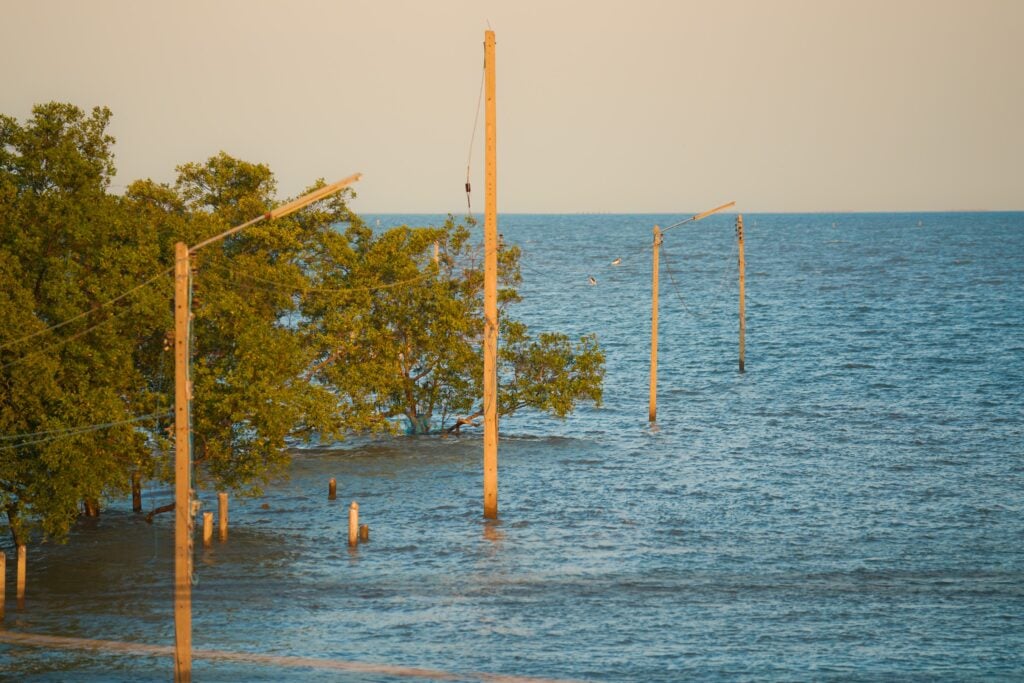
x=849, y=508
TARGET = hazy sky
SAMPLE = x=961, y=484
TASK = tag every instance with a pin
x=628, y=106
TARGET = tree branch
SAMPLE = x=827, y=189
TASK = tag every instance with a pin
x=326, y=361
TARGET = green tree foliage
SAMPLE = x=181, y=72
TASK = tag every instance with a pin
x=400, y=334
x=310, y=325
x=249, y=360
x=66, y=248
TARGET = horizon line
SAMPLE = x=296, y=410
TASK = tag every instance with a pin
x=685, y=213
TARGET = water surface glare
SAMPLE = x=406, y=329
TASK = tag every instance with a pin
x=849, y=508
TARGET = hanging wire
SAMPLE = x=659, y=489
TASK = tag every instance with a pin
x=56, y=434
x=193, y=579
x=64, y=341
x=188, y=375
x=109, y=302
x=287, y=287
x=472, y=138
x=676, y=289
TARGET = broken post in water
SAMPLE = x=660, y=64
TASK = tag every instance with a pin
x=222, y=515
x=207, y=528
x=353, y=524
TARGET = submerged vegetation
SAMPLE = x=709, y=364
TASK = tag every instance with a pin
x=310, y=326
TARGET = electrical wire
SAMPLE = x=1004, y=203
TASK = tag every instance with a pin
x=284, y=286
x=64, y=341
x=56, y=434
x=676, y=289
x=472, y=137
x=85, y=313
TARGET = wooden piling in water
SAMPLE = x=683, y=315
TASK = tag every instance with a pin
x=332, y=489
x=222, y=515
x=207, y=528
x=364, y=533
x=3, y=582
x=353, y=524
x=22, y=561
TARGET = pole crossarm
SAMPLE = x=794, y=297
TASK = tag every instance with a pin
x=284, y=209
x=699, y=216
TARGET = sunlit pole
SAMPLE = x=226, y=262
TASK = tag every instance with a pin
x=182, y=473
x=652, y=407
x=490, y=289
x=183, y=521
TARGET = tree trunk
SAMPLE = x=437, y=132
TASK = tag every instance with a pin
x=418, y=424
x=18, y=534
x=91, y=507
x=468, y=420
x=136, y=492
x=156, y=511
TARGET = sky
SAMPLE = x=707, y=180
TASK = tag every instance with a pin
x=645, y=106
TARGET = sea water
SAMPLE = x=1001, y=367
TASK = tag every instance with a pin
x=851, y=507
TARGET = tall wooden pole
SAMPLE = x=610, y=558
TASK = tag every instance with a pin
x=743, y=305
x=182, y=473
x=490, y=290
x=652, y=409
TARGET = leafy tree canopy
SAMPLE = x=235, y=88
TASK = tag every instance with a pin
x=308, y=326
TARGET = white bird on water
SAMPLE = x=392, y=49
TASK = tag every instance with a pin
x=616, y=261
x=592, y=280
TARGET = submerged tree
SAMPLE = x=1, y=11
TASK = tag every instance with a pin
x=249, y=361
x=70, y=391
x=400, y=334
x=311, y=325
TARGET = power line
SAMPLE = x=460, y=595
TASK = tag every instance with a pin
x=472, y=137
x=676, y=289
x=91, y=310
x=284, y=286
x=56, y=434
x=64, y=341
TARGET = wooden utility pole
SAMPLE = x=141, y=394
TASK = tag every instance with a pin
x=652, y=406
x=183, y=513
x=182, y=472
x=490, y=290
x=743, y=314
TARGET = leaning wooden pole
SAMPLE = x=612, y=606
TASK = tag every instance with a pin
x=743, y=304
x=490, y=290
x=652, y=406
x=182, y=472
